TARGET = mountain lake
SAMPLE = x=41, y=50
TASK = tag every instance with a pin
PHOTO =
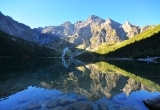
x=71, y=84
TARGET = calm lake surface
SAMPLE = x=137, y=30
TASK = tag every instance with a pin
x=116, y=83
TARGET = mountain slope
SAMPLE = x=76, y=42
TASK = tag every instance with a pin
x=94, y=31
x=14, y=28
x=104, y=66
x=84, y=34
x=142, y=45
x=11, y=46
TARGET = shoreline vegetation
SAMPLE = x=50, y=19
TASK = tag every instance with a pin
x=148, y=34
x=138, y=47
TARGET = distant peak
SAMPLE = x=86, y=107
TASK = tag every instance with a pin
x=1, y=13
x=127, y=22
x=79, y=22
x=66, y=23
x=110, y=21
x=93, y=17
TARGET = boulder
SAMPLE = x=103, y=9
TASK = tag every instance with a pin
x=126, y=108
x=102, y=107
x=81, y=98
x=33, y=106
x=82, y=106
x=63, y=102
x=61, y=108
x=153, y=103
x=19, y=108
x=53, y=103
x=48, y=97
x=22, y=99
x=72, y=100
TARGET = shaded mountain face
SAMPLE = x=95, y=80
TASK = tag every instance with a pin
x=14, y=28
x=8, y=25
x=15, y=47
x=90, y=33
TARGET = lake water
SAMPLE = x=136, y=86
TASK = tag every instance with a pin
x=34, y=83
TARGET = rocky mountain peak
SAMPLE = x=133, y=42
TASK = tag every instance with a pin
x=1, y=15
x=94, y=30
x=127, y=23
x=111, y=23
x=108, y=21
x=67, y=23
x=95, y=19
x=12, y=27
x=131, y=30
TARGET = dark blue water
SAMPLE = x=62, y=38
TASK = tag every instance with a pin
x=117, y=84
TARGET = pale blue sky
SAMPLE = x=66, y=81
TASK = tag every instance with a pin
x=41, y=13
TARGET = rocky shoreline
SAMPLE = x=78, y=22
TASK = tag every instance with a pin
x=43, y=99
x=68, y=102
x=153, y=103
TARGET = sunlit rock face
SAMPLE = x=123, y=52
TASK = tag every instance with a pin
x=87, y=34
x=132, y=85
x=63, y=30
x=146, y=28
x=95, y=83
x=130, y=29
x=104, y=83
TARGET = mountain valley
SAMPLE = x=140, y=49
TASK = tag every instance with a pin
x=93, y=35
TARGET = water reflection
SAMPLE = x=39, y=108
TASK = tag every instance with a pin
x=34, y=98
x=92, y=80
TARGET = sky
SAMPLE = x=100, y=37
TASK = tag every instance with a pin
x=41, y=13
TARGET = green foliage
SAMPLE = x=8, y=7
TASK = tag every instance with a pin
x=11, y=46
x=150, y=37
x=105, y=67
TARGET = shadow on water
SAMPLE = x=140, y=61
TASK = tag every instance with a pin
x=147, y=70
x=18, y=74
x=118, y=84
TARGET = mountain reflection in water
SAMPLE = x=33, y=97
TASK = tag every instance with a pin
x=92, y=80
